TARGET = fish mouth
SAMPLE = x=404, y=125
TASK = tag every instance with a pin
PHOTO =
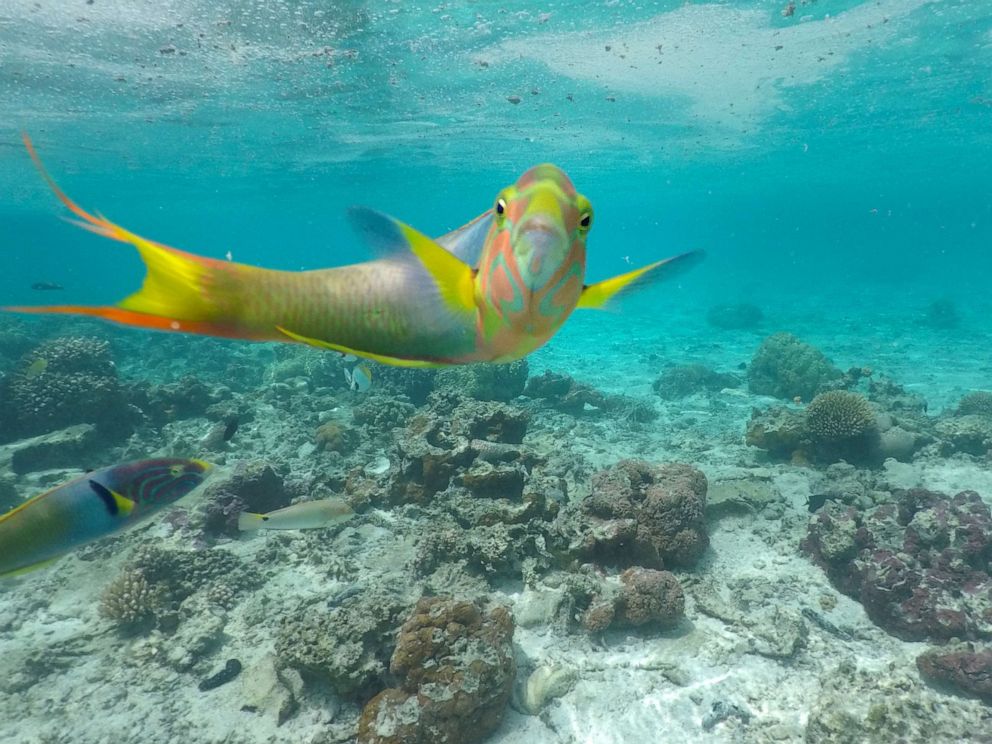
x=541, y=248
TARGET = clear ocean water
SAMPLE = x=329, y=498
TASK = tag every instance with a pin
x=832, y=157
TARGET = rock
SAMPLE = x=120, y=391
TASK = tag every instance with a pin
x=271, y=691
x=70, y=447
x=681, y=381
x=777, y=632
x=962, y=666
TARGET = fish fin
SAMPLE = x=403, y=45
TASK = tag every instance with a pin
x=181, y=291
x=248, y=522
x=29, y=569
x=599, y=295
x=454, y=278
x=393, y=361
x=468, y=240
x=117, y=505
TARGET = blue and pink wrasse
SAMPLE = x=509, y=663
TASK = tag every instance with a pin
x=491, y=291
x=92, y=506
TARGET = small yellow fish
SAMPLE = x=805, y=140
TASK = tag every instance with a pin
x=307, y=515
x=36, y=369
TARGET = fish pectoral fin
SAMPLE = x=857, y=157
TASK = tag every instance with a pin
x=599, y=295
x=454, y=278
x=384, y=359
x=29, y=569
x=117, y=505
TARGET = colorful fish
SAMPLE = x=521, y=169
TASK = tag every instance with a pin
x=306, y=515
x=492, y=291
x=92, y=506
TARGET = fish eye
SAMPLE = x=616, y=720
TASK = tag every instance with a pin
x=585, y=221
x=501, y=206
x=176, y=470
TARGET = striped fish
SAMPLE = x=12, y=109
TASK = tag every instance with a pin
x=89, y=507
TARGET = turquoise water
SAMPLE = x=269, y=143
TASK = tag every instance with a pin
x=833, y=158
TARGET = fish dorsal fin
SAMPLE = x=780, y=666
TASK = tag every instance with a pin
x=598, y=295
x=117, y=505
x=468, y=240
x=454, y=278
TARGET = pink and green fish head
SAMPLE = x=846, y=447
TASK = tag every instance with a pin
x=532, y=269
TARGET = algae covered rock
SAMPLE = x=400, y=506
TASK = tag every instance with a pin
x=963, y=666
x=639, y=514
x=920, y=566
x=785, y=367
x=252, y=486
x=455, y=665
x=347, y=646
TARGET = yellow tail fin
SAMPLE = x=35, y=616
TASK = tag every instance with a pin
x=181, y=291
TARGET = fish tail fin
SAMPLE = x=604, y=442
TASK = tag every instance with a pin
x=248, y=522
x=600, y=294
x=181, y=291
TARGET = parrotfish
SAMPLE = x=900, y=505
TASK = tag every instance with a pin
x=306, y=515
x=89, y=507
x=493, y=290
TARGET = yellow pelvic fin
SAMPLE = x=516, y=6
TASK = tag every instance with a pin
x=394, y=361
x=598, y=295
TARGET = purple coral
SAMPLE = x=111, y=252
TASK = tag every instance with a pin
x=640, y=514
x=920, y=566
x=962, y=666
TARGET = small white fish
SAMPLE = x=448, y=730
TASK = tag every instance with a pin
x=359, y=377
x=306, y=515
x=229, y=256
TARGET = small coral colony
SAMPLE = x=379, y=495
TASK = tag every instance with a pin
x=427, y=653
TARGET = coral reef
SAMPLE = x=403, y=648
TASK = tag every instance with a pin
x=455, y=664
x=785, y=367
x=920, y=566
x=68, y=380
x=347, y=646
x=639, y=514
x=778, y=430
x=680, y=381
x=962, y=666
x=735, y=316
